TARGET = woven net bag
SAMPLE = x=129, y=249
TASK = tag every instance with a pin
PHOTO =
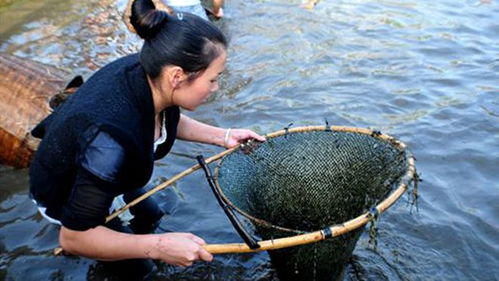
x=307, y=180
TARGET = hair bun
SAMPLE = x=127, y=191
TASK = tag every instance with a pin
x=146, y=19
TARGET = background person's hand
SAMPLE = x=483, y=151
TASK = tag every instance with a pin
x=237, y=136
x=219, y=14
x=180, y=249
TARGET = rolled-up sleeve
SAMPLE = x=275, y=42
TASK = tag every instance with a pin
x=94, y=189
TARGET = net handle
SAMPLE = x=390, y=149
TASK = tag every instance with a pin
x=247, y=238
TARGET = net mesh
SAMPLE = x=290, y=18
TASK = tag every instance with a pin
x=305, y=181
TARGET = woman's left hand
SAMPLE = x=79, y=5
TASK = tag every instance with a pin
x=233, y=137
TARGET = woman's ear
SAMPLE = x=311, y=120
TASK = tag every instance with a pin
x=176, y=76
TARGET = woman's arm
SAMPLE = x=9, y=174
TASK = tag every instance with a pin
x=83, y=216
x=102, y=243
x=192, y=130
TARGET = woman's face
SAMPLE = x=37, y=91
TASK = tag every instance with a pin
x=190, y=94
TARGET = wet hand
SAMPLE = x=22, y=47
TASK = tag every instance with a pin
x=218, y=14
x=233, y=137
x=180, y=249
x=309, y=4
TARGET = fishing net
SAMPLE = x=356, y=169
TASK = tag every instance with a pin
x=305, y=181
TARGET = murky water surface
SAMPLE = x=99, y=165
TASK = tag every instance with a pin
x=426, y=72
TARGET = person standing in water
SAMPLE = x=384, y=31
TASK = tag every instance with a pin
x=98, y=148
x=195, y=7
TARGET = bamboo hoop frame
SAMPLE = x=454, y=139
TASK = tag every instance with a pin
x=302, y=239
x=335, y=230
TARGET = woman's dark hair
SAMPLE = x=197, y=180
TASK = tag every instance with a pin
x=182, y=39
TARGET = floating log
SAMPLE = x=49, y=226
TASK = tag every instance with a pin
x=29, y=91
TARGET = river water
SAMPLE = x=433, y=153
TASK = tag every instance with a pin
x=426, y=72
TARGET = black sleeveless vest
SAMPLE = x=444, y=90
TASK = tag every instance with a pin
x=117, y=100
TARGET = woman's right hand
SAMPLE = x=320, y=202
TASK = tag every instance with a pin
x=180, y=249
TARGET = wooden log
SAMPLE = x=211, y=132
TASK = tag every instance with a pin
x=27, y=91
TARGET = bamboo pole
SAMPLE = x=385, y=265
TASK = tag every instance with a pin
x=58, y=250
x=167, y=183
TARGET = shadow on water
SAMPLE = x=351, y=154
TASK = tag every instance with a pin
x=425, y=72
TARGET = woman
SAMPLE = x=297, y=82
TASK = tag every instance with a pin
x=99, y=146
